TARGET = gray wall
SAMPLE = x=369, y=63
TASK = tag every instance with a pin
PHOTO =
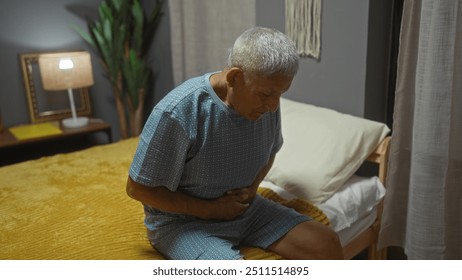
x=350, y=76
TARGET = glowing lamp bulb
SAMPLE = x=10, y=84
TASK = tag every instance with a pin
x=66, y=63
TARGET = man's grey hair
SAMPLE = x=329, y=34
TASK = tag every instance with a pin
x=265, y=52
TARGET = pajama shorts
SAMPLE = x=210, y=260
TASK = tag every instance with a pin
x=183, y=237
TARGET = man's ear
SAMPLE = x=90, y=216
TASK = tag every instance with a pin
x=234, y=76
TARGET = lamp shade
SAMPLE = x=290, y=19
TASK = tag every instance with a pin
x=67, y=70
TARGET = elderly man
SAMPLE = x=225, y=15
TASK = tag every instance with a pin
x=205, y=149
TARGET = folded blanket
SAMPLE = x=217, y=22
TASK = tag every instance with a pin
x=74, y=206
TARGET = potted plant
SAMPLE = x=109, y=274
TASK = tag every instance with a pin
x=121, y=37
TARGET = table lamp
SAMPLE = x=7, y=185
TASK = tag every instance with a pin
x=66, y=71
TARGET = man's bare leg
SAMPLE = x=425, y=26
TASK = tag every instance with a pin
x=309, y=240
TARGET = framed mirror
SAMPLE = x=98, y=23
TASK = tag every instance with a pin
x=49, y=105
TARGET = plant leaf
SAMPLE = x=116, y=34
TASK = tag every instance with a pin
x=138, y=22
x=84, y=35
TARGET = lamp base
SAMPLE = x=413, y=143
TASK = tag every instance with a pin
x=74, y=123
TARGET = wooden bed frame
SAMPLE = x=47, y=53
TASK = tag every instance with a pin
x=368, y=238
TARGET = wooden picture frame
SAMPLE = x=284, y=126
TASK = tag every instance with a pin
x=49, y=105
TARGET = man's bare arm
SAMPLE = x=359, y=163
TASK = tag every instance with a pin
x=226, y=207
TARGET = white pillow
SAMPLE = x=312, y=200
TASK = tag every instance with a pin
x=322, y=149
x=353, y=201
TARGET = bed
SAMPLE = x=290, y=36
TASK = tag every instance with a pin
x=74, y=205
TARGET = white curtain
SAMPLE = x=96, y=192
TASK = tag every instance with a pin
x=423, y=206
x=203, y=31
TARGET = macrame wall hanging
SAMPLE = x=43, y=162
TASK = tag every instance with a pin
x=303, y=26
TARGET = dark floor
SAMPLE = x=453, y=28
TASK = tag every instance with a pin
x=393, y=253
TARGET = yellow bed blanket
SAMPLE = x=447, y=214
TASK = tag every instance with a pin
x=74, y=207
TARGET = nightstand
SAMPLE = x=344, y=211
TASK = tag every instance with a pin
x=13, y=150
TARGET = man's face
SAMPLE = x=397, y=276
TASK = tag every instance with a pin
x=253, y=96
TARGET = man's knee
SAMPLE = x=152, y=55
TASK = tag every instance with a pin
x=328, y=246
x=324, y=242
x=309, y=240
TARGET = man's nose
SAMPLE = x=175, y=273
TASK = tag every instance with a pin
x=272, y=105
